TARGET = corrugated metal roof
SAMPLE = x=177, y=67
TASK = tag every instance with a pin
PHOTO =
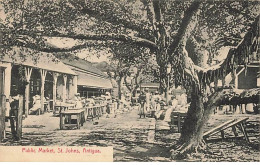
x=93, y=81
x=40, y=60
x=81, y=64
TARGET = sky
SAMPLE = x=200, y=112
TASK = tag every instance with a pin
x=92, y=56
x=99, y=56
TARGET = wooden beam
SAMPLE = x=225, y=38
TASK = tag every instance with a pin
x=28, y=72
x=64, y=93
x=55, y=78
x=218, y=128
x=2, y=105
x=227, y=125
x=43, y=76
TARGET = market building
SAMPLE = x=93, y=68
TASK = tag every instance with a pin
x=48, y=77
x=90, y=80
x=41, y=74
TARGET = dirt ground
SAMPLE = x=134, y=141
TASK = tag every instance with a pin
x=135, y=139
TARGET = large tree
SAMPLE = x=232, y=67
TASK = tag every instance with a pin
x=176, y=32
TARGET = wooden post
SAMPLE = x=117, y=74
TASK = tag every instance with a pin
x=2, y=116
x=234, y=78
x=235, y=131
x=55, y=78
x=179, y=123
x=222, y=134
x=2, y=105
x=64, y=88
x=28, y=72
x=19, y=119
x=61, y=121
x=43, y=76
x=244, y=132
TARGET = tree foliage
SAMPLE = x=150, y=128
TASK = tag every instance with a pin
x=186, y=34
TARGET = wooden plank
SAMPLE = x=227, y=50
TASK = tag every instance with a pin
x=236, y=122
x=224, y=126
x=218, y=128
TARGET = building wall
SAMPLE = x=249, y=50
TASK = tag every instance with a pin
x=249, y=80
x=7, y=83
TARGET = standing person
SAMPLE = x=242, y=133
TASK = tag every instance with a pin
x=153, y=106
x=157, y=109
x=142, y=108
x=13, y=113
x=142, y=101
x=147, y=95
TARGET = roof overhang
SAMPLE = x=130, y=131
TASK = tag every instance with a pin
x=91, y=81
x=40, y=60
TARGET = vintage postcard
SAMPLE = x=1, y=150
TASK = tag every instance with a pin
x=129, y=81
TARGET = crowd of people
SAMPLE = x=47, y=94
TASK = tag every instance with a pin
x=112, y=104
x=154, y=105
x=150, y=104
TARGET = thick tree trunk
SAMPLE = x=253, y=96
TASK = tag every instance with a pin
x=191, y=139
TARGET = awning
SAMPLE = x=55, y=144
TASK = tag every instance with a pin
x=40, y=60
x=90, y=81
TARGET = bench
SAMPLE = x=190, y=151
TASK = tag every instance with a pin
x=66, y=118
x=234, y=123
x=61, y=107
x=177, y=118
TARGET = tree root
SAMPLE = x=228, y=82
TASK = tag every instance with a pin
x=188, y=150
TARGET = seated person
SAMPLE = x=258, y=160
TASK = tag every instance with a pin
x=77, y=101
x=36, y=105
x=159, y=110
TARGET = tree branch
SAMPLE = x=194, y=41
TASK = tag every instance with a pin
x=112, y=36
x=127, y=85
x=236, y=56
x=186, y=21
x=25, y=39
x=108, y=16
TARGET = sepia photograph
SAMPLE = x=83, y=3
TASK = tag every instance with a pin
x=129, y=81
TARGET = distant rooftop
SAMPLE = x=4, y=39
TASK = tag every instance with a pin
x=79, y=63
